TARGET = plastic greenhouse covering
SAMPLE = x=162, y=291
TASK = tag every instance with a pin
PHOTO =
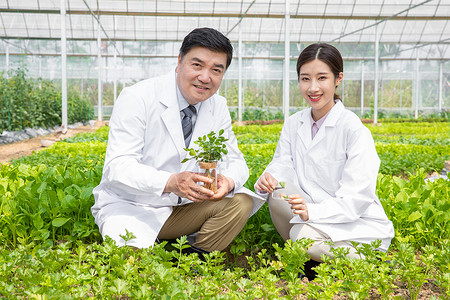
x=396, y=52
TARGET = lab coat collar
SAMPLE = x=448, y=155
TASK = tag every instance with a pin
x=171, y=116
x=304, y=131
x=334, y=114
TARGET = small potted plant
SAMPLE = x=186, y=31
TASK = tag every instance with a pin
x=211, y=148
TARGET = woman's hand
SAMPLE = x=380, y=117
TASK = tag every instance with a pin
x=298, y=204
x=266, y=183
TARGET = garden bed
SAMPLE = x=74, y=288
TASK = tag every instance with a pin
x=46, y=198
x=28, y=146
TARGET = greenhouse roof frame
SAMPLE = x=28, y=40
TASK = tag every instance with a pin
x=262, y=29
x=416, y=24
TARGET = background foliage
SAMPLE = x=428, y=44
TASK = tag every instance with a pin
x=27, y=102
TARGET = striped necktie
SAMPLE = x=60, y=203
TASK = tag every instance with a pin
x=186, y=123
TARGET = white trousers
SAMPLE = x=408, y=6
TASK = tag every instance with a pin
x=281, y=213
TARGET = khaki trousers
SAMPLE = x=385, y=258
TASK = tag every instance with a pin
x=216, y=223
x=281, y=213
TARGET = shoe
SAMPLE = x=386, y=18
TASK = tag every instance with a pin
x=193, y=249
x=189, y=250
x=309, y=272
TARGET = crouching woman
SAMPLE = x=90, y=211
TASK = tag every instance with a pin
x=328, y=160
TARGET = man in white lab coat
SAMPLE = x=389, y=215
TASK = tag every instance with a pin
x=145, y=189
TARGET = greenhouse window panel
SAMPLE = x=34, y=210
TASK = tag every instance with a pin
x=416, y=22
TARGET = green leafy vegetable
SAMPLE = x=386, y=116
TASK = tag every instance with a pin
x=211, y=147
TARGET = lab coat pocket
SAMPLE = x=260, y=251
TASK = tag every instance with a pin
x=328, y=173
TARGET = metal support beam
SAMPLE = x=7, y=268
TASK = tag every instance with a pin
x=63, y=66
x=99, y=64
x=417, y=85
x=115, y=75
x=401, y=94
x=441, y=85
x=362, y=88
x=7, y=58
x=240, y=106
x=376, y=76
x=287, y=44
x=196, y=14
x=174, y=56
x=40, y=71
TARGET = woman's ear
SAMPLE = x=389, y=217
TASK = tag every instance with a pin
x=339, y=79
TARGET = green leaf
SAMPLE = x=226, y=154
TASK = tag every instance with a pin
x=42, y=187
x=86, y=193
x=4, y=183
x=58, y=222
x=38, y=222
x=414, y=216
x=401, y=197
x=44, y=234
x=69, y=201
x=60, y=194
x=267, y=227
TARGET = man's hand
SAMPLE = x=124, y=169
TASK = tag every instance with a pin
x=266, y=183
x=185, y=185
x=299, y=206
x=225, y=185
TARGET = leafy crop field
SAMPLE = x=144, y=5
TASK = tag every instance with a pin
x=50, y=247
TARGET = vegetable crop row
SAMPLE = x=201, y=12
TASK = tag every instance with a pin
x=50, y=245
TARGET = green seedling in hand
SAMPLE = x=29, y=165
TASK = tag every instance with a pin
x=211, y=147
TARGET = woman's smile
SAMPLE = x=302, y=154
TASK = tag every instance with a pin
x=315, y=98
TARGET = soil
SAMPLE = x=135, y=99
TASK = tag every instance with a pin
x=27, y=147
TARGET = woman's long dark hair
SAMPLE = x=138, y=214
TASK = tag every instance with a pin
x=323, y=52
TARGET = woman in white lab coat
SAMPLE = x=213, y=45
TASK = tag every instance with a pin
x=328, y=160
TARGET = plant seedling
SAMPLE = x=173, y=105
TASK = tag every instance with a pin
x=211, y=149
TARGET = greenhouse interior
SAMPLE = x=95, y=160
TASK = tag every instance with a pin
x=64, y=64
x=400, y=47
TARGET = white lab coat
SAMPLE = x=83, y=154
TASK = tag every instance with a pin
x=338, y=169
x=145, y=146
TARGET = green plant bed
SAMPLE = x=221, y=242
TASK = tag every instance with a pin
x=100, y=135
x=77, y=270
x=82, y=154
x=410, y=129
x=51, y=247
x=403, y=159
